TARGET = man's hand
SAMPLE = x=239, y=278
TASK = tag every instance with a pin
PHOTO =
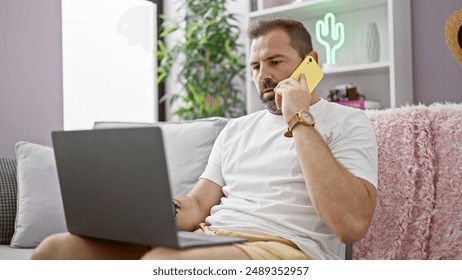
x=292, y=96
x=195, y=207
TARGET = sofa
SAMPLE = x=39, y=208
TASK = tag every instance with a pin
x=418, y=213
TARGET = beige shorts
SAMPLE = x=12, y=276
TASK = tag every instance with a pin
x=261, y=247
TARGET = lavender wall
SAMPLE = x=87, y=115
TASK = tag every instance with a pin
x=437, y=75
x=30, y=72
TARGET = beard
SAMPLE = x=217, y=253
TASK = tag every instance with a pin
x=267, y=96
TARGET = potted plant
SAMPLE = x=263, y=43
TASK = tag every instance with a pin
x=209, y=57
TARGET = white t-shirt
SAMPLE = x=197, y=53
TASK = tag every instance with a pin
x=263, y=185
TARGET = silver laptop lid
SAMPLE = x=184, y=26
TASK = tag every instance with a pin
x=115, y=185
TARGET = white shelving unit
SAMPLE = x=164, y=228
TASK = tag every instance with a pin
x=388, y=81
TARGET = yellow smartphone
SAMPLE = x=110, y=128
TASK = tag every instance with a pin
x=312, y=71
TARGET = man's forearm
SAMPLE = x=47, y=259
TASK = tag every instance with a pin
x=343, y=201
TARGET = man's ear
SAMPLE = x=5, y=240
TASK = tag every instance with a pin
x=314, y=54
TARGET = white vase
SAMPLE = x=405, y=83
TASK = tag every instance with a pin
x=373, y=42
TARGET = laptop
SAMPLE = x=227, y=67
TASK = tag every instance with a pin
x=115, y=185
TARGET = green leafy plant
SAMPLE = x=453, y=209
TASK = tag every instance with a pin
x=209, y=57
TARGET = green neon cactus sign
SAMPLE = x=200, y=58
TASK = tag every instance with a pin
x=336, y=30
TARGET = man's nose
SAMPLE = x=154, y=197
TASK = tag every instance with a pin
x=264, y=74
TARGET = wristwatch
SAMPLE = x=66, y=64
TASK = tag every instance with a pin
x=175, y=208
x=302, y=117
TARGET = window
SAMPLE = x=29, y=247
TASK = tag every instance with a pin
x=109, y=61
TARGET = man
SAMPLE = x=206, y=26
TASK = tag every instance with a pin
x=298, y=197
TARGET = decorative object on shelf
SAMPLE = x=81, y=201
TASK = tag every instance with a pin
x=344, y=92
x=253, y=5
x=373, y=42
x=209, y=58
x=453, y=33
x=347, y=95
x=358, y=104
x=329, y=31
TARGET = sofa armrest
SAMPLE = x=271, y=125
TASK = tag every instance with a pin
x=8, y=198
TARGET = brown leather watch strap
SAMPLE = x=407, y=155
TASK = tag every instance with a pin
x=298, y=118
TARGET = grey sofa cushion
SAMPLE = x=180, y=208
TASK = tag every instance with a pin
x=187, y=146
x=40, y=210
x=8, y=193
x=9, y=253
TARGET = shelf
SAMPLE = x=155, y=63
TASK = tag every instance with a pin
x=342, y=69
x=388, y=81
x=316, y=8
x=285, y=10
